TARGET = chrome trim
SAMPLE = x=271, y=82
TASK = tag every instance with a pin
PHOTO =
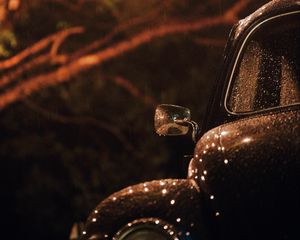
x=156, y=224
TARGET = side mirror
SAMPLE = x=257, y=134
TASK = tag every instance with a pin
x=173, y=120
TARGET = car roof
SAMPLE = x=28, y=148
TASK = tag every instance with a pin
x=273, y=8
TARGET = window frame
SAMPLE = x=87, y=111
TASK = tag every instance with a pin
x=238, y=58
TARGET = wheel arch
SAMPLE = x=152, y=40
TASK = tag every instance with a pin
x=176, y=201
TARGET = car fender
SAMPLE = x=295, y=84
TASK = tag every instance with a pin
x=176, y=201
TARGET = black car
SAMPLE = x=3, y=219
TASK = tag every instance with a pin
x=244, y=178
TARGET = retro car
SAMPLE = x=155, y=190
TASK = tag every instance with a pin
x=244, y=178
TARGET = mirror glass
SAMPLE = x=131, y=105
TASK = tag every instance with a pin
x=171, y=120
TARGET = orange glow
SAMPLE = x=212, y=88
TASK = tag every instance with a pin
x=13, y=5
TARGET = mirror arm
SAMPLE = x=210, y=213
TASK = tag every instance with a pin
x=195, y=127
x=196, y=131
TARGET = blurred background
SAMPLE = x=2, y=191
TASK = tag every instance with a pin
x=79, y=82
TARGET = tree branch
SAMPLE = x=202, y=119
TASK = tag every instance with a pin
x=3, y=10
x=133, y=90
x=117, y=30
x=231, y=15
x=82, y=120
x=69, y=69
x=10, y=77
x=39, y=46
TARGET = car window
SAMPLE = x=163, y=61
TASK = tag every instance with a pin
x=266, y=74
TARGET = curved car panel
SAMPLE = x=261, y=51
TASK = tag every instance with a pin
x=243, y=182
x=249, y=171
x=175, y=201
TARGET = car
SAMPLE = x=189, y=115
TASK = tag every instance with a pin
x=244, y=178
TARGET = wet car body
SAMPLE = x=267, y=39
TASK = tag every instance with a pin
x=249, y=171
x=243, y=181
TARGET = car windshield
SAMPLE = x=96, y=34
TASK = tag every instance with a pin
x=267, y=71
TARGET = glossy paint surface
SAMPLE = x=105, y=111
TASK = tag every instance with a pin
x=243, y=182
x=174, y=201
x=217, y=114
x=274, y=7
x=248, y=171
